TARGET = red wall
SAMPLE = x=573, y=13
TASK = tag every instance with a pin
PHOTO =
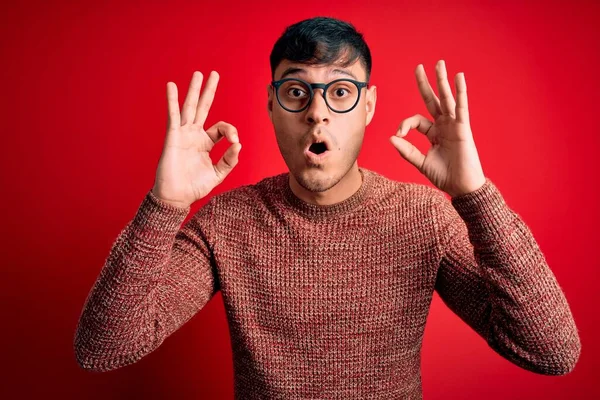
x=83, y=116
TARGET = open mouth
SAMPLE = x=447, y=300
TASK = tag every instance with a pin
x=318, y=148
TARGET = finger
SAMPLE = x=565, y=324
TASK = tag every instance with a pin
x=446, y=98
x=431, y=100
x=191, y=100
x=223, y=129
x=228, y=161
x=206, y=99
x=462, y=107
x=418, y=122
x=409, y=152
x=173, y=121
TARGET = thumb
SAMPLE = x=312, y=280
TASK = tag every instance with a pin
x=408, y=151
x=228, y=161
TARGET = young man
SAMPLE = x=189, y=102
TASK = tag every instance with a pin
x=327, y=272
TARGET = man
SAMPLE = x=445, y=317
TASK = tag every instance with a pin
x=327, y=272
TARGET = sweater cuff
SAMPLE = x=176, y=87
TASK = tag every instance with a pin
x=483, y=210
x=157, y=221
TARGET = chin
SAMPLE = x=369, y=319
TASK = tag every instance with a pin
x=316, y=180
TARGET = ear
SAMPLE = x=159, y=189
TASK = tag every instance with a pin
x=270, y=101
x=370, y=103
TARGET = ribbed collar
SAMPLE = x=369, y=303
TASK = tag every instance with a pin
x=321, y=211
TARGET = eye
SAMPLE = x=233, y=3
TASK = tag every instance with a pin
x=296, y=93
x=340, y=92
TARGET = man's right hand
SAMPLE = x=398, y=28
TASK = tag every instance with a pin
x=185, y=170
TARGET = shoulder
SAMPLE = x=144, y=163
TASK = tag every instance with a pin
x=248, y=197
x=237, y=207
x=404, y=193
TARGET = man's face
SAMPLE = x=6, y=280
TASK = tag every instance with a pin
x=342, y=132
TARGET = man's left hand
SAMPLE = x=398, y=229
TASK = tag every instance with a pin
x=452, y=163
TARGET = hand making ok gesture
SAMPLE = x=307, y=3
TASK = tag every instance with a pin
x=185, y=170
x=452, y=163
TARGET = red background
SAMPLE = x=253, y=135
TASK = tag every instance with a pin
x=83, y=117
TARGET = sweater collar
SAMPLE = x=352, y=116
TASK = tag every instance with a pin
x=320, y=211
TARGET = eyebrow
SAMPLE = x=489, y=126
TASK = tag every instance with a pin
x=296, y=70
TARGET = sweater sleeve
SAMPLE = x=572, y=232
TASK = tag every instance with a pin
x=155, y=278
x=493, y=275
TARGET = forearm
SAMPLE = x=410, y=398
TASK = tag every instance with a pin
x=520, y=309
x=530, y=319
x=118, y=324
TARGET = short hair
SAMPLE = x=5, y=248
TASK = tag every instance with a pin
x=321, y=40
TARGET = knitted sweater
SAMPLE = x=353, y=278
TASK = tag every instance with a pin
x=329, y=301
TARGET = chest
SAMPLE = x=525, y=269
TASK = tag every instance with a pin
x=324, y=280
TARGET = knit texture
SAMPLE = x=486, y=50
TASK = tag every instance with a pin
x=329, y=302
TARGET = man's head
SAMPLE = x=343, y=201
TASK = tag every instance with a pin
x=320, y=50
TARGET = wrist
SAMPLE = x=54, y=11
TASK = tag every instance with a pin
x=176, y=204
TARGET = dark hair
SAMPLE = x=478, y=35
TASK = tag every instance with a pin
x=321, y=40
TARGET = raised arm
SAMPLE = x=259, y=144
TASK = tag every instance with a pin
x=157, y=276
x=493, y=275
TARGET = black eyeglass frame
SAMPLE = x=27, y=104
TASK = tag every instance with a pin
x=312, y=86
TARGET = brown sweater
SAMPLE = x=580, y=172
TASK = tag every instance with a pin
x=329, y=301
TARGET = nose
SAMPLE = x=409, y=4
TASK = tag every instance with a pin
x=317, y=112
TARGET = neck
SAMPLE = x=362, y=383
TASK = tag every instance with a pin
x=342, y=190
